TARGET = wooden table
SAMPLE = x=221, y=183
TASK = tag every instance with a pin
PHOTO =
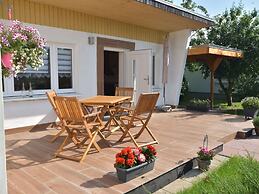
x=110, y=105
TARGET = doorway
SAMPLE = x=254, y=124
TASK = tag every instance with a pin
x=108, y=43
x=111, y=72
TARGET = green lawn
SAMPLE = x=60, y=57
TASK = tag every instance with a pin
x=238, y=175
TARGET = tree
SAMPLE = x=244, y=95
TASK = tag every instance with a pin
x=191, y=5
x=234, y=28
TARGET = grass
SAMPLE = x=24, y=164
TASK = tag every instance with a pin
x=238, y=175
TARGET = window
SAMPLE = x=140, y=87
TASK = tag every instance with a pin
x=56, y=73
x=38, y=79
x=64, y=68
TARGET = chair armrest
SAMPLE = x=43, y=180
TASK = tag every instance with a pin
x=92, y=114
x=127, y=109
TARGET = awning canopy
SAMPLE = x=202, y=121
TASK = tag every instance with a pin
x=152, y=14
x=212, y=55
x=205, y=53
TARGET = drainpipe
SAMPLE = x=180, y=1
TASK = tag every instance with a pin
x=3, y=179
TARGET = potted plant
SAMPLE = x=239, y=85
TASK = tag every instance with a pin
x=204, y=158
x=205, y=155
x=21, y=47
x=198, y=105
x=250, y=106
x=131, y=163
x=256, y=125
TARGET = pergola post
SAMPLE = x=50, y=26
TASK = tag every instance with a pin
x=213, y=67
x=212, y=75
x=3, y=179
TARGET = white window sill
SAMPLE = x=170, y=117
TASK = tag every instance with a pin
x=35, y=97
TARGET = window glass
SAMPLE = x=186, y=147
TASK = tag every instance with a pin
x=39, y=79
x=64, y=68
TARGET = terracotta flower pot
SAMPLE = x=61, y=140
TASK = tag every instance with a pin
x=7, y=60
x=203, y=164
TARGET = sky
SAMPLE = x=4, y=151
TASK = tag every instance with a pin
x=215, y=7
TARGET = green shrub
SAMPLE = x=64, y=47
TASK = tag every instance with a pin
x=256, y=121
x=199, y=105
x=250, y=102
x=185, y=87
x=247, y=86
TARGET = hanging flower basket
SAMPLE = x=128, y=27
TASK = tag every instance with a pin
x=21, y=47
x=131, y=163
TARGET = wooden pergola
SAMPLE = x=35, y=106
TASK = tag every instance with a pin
x=212, y=55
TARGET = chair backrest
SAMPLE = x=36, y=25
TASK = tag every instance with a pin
x=69, y=109
x=146, y=103
x=120, y=91
x=51, y=94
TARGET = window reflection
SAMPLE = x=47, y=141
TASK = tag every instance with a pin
x=64, y=68
x=39, y=79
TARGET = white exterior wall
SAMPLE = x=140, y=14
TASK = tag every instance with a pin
x=32, y=111
x=198, y=84
x=178, y=46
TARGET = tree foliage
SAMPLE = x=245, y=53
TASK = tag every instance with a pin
x=234, y=28
x=191, y=5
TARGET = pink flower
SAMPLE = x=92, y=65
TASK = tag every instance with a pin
x=142, y=158
x=7, y=60
x=136, y=152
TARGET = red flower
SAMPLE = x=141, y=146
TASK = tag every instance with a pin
x=130, y=162
x=128, y=150
x=120, y=161
x=124, y=152
x=152, y=149
x=131, y=156
x=118, y=155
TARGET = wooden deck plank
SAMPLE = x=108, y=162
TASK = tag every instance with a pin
x=26, y=183
x=33, y=169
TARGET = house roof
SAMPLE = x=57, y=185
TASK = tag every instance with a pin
x=151, y=14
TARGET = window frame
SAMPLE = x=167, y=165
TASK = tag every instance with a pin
x=56, y=84
x=9, y=82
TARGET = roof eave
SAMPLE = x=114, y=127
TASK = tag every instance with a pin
x=180, y=11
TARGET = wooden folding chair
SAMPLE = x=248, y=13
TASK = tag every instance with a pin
x=58, y=125
x=122, y=91
x=80, y=127
x=142, y=113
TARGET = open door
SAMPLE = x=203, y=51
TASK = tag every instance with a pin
x=138, y=71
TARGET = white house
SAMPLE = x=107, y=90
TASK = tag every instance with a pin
x=94, y=46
